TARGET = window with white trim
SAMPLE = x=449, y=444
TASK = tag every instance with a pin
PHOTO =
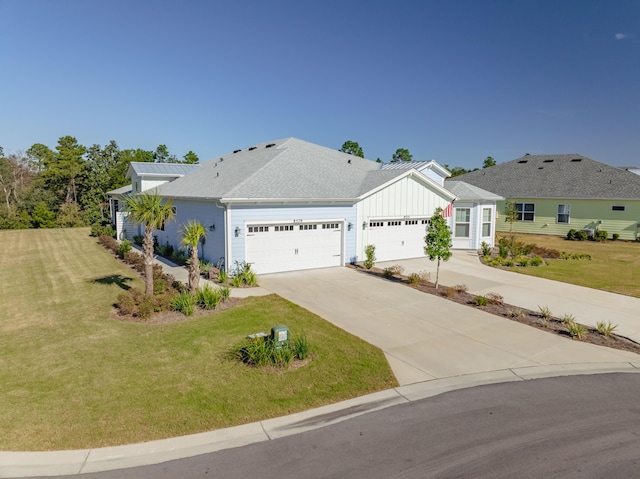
x=564, y=214
x=283, y=228
x=258, y=229
x=308, y=227
x=486, y=222
x=526, y=211
x=619, y=208
x=330, y=226
x=463, y=222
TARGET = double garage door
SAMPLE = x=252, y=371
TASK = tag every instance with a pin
x=397, y=238
x=289, y=247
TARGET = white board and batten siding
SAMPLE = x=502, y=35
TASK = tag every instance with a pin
x=394, y=219
x=290, y=238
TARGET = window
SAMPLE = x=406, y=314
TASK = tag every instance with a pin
x=618, y=208
x=308, y=227
x=564, y=213
x=330, y=226
x=283, y=228
x=425, y=221
x=526, y=211
x=463, y=218
x=411, y=222
x=486, y=222
x=394, y=223
x=258, y=229
x=376, y=224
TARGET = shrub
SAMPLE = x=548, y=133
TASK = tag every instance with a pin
x=208, y=297
x=127, y=302
x=159, y=286
x=102, y=230
x=109, y=243
x=179, y=256
x=575, y=330
x=223, y=276
x=425, y=276
x=393, y=270
x=515, y=313
x=486, y=249
x=536, y=261
x=568, y=318
x=204, y=265
x=497, y=261
x=615, y=236
x=165, y=250
x=370, y=256
x=600, y=235
x=577, y=235
x=503, y=250
x=546, y=252
x=301, y=347
x=461, y=288
x=138, y=240
x=124, y=248
x=481, y=301
x=414, y=279
x=495, y=298
x=451, y=292
x=527, y=249
x=225, y=292
x=243, y=274
x=185, y=302
x=545, y=312
x=606, y=329
x=522, y=261
x=509, y=263
x=236, y=281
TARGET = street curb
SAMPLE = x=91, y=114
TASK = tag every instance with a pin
x=56, y=463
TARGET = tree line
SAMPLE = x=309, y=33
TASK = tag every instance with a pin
x=402, y=154
x=66, y=186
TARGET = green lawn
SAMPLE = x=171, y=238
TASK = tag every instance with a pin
x=615, y=265
x=72, y=377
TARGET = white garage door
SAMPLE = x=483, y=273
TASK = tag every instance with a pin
x=291, y=247
x=398, y=239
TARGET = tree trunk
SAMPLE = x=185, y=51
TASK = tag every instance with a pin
x=437, y=272
x=194, y=270
x=147, y=253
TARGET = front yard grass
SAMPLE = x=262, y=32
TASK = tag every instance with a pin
x=614, y=265
x=73, y=377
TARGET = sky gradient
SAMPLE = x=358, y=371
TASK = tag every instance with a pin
x=454, y=81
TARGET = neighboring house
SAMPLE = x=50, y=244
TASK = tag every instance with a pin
x=556, y=193
x=144, y=176
x=291, y=205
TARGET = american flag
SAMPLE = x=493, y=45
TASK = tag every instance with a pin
x=448, y=211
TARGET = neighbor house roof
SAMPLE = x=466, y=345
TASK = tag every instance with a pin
x=417, y=165
x=554, y=176
x=283, y=169
x=123, y=190
x=143, y=169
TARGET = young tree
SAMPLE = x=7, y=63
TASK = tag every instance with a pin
x=191, y=158
x=148, y=209
x=192, y=233
x=510, y=213
x=352, y=148
x=489, y=161
x=438, y=240
x=401, y=154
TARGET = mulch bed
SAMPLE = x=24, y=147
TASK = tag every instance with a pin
x=167, y=317
x=524, y=316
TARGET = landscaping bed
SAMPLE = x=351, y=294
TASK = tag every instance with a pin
x=458, y=294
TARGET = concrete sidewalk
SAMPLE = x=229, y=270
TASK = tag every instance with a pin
x=588, y=305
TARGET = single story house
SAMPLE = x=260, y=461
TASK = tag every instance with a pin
x=290, y=205
x=556, y=193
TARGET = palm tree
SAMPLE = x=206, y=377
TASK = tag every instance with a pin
x=192, y=233
x=149, y=210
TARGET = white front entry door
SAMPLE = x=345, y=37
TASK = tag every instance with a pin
x=290, y=247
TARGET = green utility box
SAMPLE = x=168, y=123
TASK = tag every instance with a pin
x=280, y=336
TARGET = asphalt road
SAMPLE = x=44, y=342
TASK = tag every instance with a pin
x=566, y=427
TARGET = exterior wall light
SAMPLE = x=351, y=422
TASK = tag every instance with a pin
x=237, y=231
x=349, y=226
x=364, y=225
x=212, y=227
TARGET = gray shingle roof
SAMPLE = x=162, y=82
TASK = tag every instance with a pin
x=283, y=169
x=554, y=176
x=466, y=192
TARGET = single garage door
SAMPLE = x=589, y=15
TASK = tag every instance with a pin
x=290, y=247
x=398, y=238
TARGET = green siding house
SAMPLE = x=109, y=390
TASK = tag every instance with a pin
x=556, y=193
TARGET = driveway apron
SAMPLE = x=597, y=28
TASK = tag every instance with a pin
x=425, y=337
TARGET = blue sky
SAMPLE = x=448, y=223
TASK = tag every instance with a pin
x=455, y=81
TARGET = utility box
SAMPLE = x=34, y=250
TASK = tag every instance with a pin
x=280, y=336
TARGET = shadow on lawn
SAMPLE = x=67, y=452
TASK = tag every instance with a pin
x=117, y=279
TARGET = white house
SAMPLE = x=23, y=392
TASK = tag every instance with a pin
x=290, y=205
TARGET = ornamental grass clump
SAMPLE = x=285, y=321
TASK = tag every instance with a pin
x=185, y=302
x=208, y=297
x=606, y=329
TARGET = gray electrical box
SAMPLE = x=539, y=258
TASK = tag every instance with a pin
x=280, y=336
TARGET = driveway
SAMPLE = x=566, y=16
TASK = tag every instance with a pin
x=425, y=337
x=588, y=305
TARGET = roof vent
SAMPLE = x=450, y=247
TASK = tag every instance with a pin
x=221, y=159
x=252, y=148
x=547, y=161
x=217, y=174
x=522, y=161
x=349, y=161
x=576, y=160
x=540, y=167
x=236, y=151
x=270, y=145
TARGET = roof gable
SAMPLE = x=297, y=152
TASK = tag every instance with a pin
x=555, y=176
x=142, y=169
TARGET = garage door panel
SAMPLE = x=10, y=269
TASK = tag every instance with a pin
x=397, y=239
x=293, y=247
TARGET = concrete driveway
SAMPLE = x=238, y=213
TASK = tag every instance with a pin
x=425, y=337
x=588, y=305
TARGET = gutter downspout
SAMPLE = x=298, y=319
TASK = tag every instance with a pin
x=226, y=232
